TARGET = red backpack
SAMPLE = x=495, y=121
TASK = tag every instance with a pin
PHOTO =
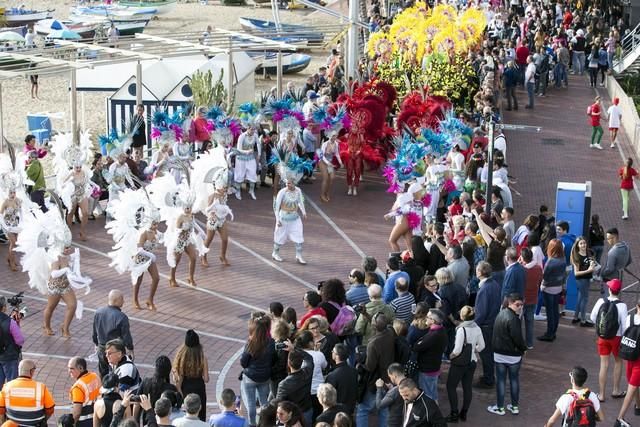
x=581, y=412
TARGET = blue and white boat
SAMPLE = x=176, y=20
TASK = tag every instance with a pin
x=269, y=30
x=114, y=13
x=291, y=62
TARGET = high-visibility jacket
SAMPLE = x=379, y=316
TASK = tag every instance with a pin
x=26, y=402
x=85, y=391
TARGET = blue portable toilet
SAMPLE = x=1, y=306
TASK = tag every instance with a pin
x=573, y=205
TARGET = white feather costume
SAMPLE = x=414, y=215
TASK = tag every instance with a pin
x=210, y=175
x=171, y=198
x=133, y=213
x=14, y=178
x=66, y=156
x=42, y=240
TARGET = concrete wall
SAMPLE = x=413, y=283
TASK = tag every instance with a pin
x=630, y=118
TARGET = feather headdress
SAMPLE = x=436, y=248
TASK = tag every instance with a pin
x=114, y=144
x=249, y=115
x=407, y=164
x=165, y=126
x=286, y=113
x=289, y=165
x=332, y=122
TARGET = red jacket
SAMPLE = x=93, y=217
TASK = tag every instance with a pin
x=199, y=130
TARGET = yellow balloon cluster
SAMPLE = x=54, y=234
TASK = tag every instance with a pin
x=419, y=30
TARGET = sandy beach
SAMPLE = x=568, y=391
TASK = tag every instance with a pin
x=53, y=91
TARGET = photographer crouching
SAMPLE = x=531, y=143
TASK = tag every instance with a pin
x=11, y=341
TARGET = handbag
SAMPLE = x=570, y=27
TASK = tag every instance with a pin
x=464, y=358
x=411, y=367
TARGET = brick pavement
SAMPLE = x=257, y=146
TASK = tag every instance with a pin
x=220, y=306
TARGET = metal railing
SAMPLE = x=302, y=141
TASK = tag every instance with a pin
x=630, y=44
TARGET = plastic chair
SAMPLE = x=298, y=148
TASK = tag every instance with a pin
x=40, y=126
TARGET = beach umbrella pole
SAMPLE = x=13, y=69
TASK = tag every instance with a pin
x=352, y=41
x=138, y=83
x=73, y=97
x=279, y=73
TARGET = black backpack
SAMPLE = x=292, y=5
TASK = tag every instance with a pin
x=630, y=343
x=607, y=322
x=581, y=412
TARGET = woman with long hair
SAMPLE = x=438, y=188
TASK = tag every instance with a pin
x=281, y=333
x=627, y=173
x=185, y=243
x=467, y=332
x=217, y=213
x=256, y=361
x=79, y=179
x=553, y=276
x=328, y=152
x=304, y=341
x=583, y=265
x=191, y=370
x=149, y=241
x=289, y=415
x=408, y=213
x=157, y=384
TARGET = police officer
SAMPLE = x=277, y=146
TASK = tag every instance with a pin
x=24, y=400
x=84, y=391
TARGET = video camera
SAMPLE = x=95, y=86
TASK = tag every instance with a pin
x=18, y=311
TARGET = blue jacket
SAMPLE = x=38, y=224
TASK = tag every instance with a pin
x=259, y=368
x=488, y=302
x=567, y=241
x=389, y=291
x=515, y=278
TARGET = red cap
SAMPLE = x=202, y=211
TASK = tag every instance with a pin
x=615, y=285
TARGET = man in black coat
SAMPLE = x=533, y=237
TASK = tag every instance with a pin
x=296, y=387
x=419, y=409
x=344, y=378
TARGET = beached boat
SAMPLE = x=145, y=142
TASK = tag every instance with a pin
x=125, y=28
x=268, y=30
x=16, y=17
x=291, y=62
x=86, y=29
x=114, y=13
x=162, y=7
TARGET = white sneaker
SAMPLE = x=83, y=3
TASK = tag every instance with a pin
x=350, y=192
x=540, y=317
x=495, y=410
x=252, y=194
x=592, y=146
x=276, y=256
x=513, y=409
x=238, y=195
x=625, y=216
x=598, y=146
x=355, y=191
x=612, y=145
x=300, y=259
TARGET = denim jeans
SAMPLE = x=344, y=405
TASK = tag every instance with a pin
x=578, y=62
x=528, y=311
x=540, y=303
x=429, y=385
x=8, y=371
x=597, y=252
x=365, y=407
x=531, y=86
x=250, y=390
x=553, y=315
x=561, y=75
x=583, y=298
x=486, y=356
x=511, y=97
x=514, y=382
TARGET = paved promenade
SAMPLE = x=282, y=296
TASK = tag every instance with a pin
x=337, y=235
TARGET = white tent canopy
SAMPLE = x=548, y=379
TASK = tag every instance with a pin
x=163, y=80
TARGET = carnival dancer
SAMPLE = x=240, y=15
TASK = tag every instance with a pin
x=15, y=201
x=289, y=203
x=135, y=231
x=118, y=175
x=287, y=114
x=248, y=145
x=73, y=176
x=246, y=165
x=406, y=168
x=167, y=128
x=329, y=152
x=160, y=161
x=52, y=264
x=216, y=210
x=183, y=235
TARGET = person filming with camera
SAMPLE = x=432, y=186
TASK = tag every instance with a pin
x=11, y=341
